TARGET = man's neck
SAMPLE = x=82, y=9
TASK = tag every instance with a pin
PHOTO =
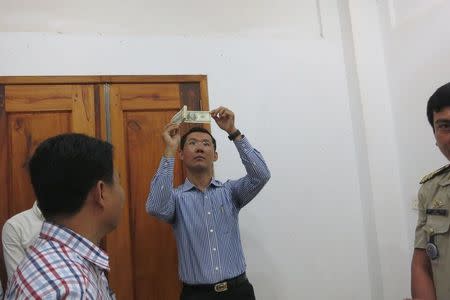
x=200, y=180
x=83, y=227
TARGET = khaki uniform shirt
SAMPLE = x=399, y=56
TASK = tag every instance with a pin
x=435, y=194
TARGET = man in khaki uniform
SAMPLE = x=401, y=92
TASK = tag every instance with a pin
x=430, y=267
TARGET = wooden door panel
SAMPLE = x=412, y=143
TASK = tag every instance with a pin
x=26, y=132
x=83, y=109
x=34, y=113
x=22, y=98
x=149, y=96
x=30, y=114
x=154, y=247
x=118, y=242
x=138, y=114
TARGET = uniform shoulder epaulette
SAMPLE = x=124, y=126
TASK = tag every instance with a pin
x=434, y=174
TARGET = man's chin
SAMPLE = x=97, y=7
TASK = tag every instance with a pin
x=198, y=168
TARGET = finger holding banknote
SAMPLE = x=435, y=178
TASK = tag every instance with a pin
x=224, y=118
x=171, y=136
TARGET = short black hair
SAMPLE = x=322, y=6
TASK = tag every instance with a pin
x=438, y=101
x=196, y=129
x=64, y=168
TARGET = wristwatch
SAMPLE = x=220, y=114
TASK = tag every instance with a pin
x=234, y=135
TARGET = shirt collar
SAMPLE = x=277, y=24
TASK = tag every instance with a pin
x=37, y=211
x=76, y=242
x=187, y=185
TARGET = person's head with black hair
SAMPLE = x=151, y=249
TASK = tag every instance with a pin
x=438, y=114
x=437, y=102
x=198, y=150
x=197, y=129
x=75, y=184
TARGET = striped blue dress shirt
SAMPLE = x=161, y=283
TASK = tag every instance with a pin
x=206, y=223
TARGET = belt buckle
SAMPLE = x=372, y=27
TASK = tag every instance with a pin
x=221, y=287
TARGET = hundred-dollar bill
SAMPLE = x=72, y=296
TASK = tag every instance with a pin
x=198, y=117
x=191, y=116
x=180, y=116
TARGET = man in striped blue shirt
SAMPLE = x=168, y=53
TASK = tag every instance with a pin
x=204, y=211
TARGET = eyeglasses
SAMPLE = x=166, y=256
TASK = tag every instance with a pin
x=193, y=143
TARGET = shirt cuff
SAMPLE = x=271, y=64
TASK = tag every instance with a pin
x=166, y=165
x=243, y=146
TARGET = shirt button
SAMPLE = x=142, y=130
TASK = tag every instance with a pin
x=206, y=197
x=214, y=249
x=209, y=212
x=217, y=268
x=211, y=230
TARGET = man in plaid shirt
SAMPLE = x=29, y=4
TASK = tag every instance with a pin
x=81, y=199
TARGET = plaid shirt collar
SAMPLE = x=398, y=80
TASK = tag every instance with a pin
x=79, y=244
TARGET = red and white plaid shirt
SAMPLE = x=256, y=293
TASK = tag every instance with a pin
x=61, y=265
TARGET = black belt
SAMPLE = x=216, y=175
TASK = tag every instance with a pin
x=219, y=286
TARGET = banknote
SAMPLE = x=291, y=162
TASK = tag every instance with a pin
x=191, y=116
x=180, y=116
x=198, y=117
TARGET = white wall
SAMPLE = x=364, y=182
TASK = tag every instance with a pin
x=170, y=17
x=418, y=61
x=401, y=56
x=382, y=153
x=333, y=221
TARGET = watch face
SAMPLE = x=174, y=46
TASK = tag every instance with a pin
x=234, y=135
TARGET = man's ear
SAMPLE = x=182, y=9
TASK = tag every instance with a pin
x=180, y=153
x=216, y=156
x=100, y=194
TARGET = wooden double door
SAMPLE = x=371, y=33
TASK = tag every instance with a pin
x=128, y=111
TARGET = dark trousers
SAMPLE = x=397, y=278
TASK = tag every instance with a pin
x=244, y=291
